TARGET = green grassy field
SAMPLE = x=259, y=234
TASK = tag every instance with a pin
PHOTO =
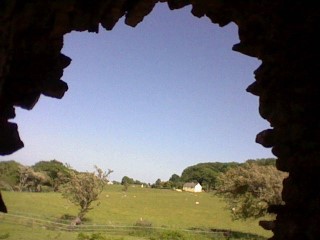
x=164, y=209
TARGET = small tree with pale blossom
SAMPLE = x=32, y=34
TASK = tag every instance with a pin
x=84, y=188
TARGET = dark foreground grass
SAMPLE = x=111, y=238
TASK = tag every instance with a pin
x=139, y=213
x=19, y=232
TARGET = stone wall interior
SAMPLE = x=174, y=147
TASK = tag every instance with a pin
x=282, y=34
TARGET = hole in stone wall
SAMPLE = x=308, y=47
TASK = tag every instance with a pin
x=149, y=101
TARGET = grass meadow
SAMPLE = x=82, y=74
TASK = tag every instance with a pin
x=138, y=213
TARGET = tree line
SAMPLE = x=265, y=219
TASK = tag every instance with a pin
x=249, y=188
x=42, y=176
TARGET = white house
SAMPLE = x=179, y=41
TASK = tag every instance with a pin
x=192, y=187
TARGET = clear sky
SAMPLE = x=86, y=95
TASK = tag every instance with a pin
x=148, y=101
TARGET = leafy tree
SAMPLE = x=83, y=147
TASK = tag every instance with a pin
x=206, y=173
x=57, y=172
x=175, y=178
x=9, y=174
x=263, y=161
x=84, y=188
x=167, y=185
x=125, y=187
x=137, y=182
x=158, y=183
x=127, y=181
x=31, y=180
x=175, y=181
x=250, y=188
x=25, y=174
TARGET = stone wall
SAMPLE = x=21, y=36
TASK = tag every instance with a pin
x=282, y=34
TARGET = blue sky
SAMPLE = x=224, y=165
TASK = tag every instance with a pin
x=148, y=101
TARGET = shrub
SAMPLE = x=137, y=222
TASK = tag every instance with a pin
x=170, y=235
x=94, y=236
x=143, y=223
x=46, y=189
x=4, y=236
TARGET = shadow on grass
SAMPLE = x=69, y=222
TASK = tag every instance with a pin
x=68, y=218
x=229, y=234
x=145, y=229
